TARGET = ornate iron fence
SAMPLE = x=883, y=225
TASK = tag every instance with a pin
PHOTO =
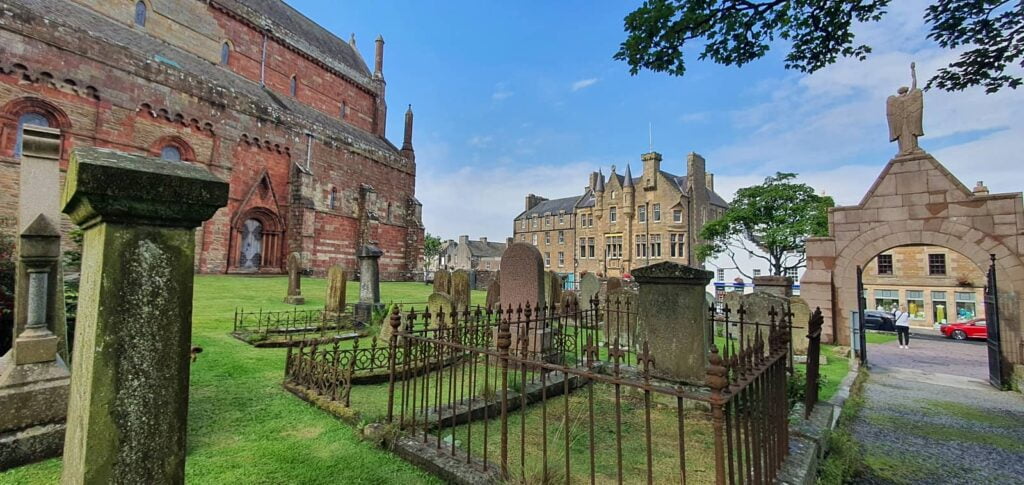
x=813, y=361
x=291, y=326
x=510, y=407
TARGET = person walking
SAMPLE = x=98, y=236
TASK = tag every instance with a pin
x=902, y=327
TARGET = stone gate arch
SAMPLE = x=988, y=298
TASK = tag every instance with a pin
x=916, y=200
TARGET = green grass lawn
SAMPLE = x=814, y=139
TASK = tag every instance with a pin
x=243, y=427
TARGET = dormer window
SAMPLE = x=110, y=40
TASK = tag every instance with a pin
x=140, y=13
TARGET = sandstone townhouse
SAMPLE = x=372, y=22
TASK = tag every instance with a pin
x=623, y=222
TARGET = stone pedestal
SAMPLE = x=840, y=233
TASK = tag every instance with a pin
x=674, y=320
x=774, y=285
x=369, y=283
x=127, y=416
x=34, y=378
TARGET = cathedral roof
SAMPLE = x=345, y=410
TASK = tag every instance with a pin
x=302, y=33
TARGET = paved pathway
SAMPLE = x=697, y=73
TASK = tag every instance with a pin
x=930, y=417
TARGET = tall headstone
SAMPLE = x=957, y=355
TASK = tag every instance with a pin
x=128, y=410
x=494, y=293
x=442, y=281
x=522, y=284
x=613, y=284
x=294, y=280
x=672, y=319
x=801, y=316
x=590, y=286
x=337, y=282
x=369, y=282
x=460, y=289
x=34, y=378
x=552, y=288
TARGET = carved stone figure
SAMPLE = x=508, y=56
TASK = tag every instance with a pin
x=904, y=111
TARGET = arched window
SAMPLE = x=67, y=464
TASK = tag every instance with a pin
x=344, y=110
x=294, y=86
x=225, y=53
x=332, y=200
x=140, y=13
x=34, y=119
x=170, y=153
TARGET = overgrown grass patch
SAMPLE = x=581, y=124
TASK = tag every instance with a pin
x=845, y=460
x=243, y=427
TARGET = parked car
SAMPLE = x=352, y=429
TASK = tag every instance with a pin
x=878, y=320
x=976, y=328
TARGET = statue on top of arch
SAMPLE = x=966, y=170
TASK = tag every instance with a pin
x=904, y=111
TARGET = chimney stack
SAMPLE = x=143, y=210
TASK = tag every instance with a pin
x=532, y=201
x=483, y=239
x=980, y=189
x=463, y=240
x=378, y=58
x=652, y=165
x=710, y=179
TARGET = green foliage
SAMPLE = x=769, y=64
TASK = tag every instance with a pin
x=382, y=315
x=796, y=386
x=71, y=298
x=844, y=460
x=776, y=217
x=431, y=246
x=73, y=258
x=736, y=32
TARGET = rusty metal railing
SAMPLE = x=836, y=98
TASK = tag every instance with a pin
x=813, y=361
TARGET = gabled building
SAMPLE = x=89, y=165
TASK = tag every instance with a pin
x=623, y=222
x=470, y=255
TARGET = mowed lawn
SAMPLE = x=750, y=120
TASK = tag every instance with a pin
x=243, y=427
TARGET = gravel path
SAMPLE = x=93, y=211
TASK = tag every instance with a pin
x=919, y=426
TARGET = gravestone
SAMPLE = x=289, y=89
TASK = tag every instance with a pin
x=801, y=315
x=590, y=286
x=34, y=378
x=369, y=283
x=672, y=319
x=612, y=284
x=460, y=289
x=294, y=280
x=128, y=410
x=774, y=285
x=494, y=293
x=440, y=304
x=620, y=318
x=442, y=281
x=552, y=288
x=522, y=284
x=337, y=283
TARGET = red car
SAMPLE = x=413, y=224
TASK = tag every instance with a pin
x=964, y=330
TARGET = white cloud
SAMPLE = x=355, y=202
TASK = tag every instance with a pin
x=483, y=200
x=480, y=141
x=501, y=92
x=583, y=84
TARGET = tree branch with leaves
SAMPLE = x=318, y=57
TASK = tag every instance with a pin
x=770, y=222
x=736, y=32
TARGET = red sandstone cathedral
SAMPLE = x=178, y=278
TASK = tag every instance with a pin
x=254, y=91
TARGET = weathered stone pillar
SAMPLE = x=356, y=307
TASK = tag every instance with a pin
x=774, y=285
x=673, y=319
x=369, y=282
x=34, y=378
x=127, y=416
x=294, y=296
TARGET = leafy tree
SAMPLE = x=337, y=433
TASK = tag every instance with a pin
x=736, y=32
x=7, y=267
x=771, y=221
x=431, y=246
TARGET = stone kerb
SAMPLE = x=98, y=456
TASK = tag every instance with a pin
x=127, y=415
x=673, y=319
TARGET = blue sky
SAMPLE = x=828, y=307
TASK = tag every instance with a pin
x=519, y=97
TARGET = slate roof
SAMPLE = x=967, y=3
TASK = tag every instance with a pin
x=680, y=181
x=553, y=206
x=299, y=31
x=157, y=51
x=485, y=249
